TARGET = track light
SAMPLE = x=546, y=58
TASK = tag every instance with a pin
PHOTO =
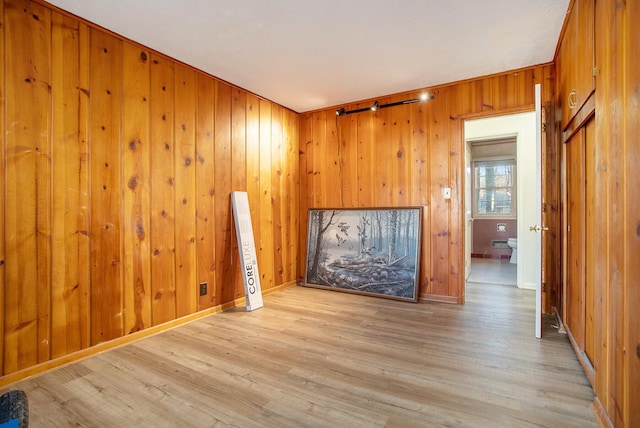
x=375, y=106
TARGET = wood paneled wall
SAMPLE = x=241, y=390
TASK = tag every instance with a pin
x=117, y=167
x=406, y=155
x=616, y=235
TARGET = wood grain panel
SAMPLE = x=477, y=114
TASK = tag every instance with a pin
x=575, y=238
x=291, y=200
x=401, y=145
x=106, y=206
x=3, y=151
x=42, y=60
x=632, y=203
x=420, y=189
x=331, y=174
x=205, y=219
x=253, y=170
x=185, y=187
x=366, y=160
x=551, y=156
x=601, y=363
x=136, y=168
x=277, y=202
x=70, y=250
x=383, y=179
x=438, y=179
x=348, y=159
x=162, y=175
x=590, y=250
x=456, y=205
x=265, y=248
x=238, y=175
x=304, y=191
x=25, y=85
x=602, y=360
x=614, y=144
x=317, y=159
x=222, y=173
x=610, y=373
x=576, y=59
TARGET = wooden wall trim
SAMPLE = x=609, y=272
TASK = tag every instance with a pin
x=585, y=113
x=438, y=298
x=601, y=414
x=494, y=113
x=587, y=366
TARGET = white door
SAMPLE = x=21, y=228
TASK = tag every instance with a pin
x=537, y=228
x=468, y=232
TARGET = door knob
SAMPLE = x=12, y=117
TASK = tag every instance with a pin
x=537, y=228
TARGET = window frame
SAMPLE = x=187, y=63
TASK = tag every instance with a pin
x=495, y=160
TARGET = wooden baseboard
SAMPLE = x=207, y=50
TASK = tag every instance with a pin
x=602, y=417
x=124, y=340
x=438, y=298
x=582, y=357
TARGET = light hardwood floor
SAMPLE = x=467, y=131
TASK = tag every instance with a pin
x=320, y=358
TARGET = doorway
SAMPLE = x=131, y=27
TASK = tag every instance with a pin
x=492, y=209
x=493, y=131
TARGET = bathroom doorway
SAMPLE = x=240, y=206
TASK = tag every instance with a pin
x=492, y=209
x=501, y=159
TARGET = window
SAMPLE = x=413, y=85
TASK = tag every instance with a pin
x=494, y=188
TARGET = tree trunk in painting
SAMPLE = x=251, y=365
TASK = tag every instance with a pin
x=319, y=241
x=393, y=231
x=378, y=217
x=407, y=230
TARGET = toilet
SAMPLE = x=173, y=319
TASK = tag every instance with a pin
x=513, y=244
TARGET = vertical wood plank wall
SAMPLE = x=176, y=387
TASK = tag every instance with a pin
x=614, y=236
x=116, y=168
x=406, y=155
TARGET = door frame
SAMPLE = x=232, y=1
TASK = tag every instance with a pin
x=522, y=227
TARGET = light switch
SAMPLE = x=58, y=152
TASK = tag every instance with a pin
x=446, y=192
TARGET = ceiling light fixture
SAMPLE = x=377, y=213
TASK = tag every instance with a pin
x=423, y=97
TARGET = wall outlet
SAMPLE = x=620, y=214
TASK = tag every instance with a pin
x=203, y=288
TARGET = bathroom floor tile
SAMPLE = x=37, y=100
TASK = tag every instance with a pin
x=492, y=271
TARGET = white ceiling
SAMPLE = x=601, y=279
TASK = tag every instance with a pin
x=311, y=54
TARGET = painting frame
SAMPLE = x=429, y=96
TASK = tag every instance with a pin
x=368, y=251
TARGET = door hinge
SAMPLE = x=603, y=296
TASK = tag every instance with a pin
x=544, y=287
x=594, y=70
x=544, y=127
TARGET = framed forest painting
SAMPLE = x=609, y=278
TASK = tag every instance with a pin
x=372, y=251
